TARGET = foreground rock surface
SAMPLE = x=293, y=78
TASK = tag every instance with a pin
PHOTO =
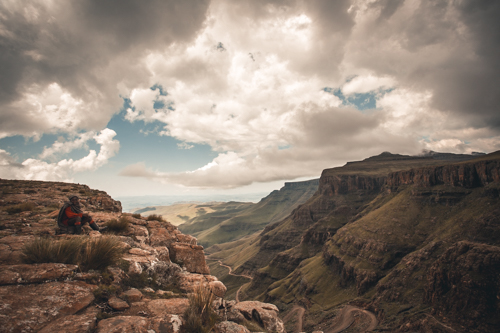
x=147, y=291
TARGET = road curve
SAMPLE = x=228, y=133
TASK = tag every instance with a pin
x=346, y=318
x=237, y=297
x=300, y=317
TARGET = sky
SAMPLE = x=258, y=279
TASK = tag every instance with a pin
x=165, y=97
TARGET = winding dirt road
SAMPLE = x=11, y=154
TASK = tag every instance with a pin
x=347, y=317
x=237, y=297
x=341, y=322
x=300, y=317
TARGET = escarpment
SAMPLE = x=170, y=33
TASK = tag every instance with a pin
x=412, y=239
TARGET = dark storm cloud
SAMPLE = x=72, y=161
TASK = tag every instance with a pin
x=76, y=44
x=476, y=87
x=463, y=70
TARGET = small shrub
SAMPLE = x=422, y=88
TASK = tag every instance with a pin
x=141, y=281
x=101, y=252
x=104, y=292
x=65, y=190
x=123, y=265
x=155, y=217
x=29, y=192
x=136, y=216
x=200, y=316
x=82, y=192
x=118, y=225
x=24, y=207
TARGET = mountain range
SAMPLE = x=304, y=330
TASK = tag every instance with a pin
x=412, y=239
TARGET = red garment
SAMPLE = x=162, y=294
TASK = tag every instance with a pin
x=68, y=214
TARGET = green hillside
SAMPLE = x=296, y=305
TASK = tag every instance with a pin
x=413, y=239
x=230, y=221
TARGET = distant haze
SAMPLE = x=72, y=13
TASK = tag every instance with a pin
x=137, y=202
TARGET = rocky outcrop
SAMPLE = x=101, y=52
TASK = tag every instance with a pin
x=146, y=291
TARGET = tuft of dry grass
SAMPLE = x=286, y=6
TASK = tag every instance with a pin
x=38, y=251
x=88, y=253
x=23, y=207
x=136, y=216
x=100, y=252
x=200, y=316
x=119, y=225
x=154, y=217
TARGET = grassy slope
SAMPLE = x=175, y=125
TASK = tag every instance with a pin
x=227, y=224
x=404, y=222
x=180, y=213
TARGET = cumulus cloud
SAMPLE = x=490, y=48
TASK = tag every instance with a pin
x=37, y=169
x=273, y=87
x=65, y=64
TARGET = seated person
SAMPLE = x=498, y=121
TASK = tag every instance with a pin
x=71, y=218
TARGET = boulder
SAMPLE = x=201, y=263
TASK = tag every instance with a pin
x=190, y=256
x=29, y=308
x=118, y=304
x=218, y=288
x=172, y=306
x=230, y=327
x=159, y=235
x=24, y=273
x=124, y=324
x=132, y=295
x=264, y=312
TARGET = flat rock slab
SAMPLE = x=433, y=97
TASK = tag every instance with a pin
x=24, y=273
x=124, y=324
x=84, y=323
x=28, y=308
x=10, y=248
x=172, y=306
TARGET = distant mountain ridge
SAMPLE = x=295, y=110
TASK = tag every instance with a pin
x=230, y=221
x=414, y=239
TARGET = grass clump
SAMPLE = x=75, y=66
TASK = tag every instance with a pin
x=136, y=216
x=119, y=225
x=89, y=254
x=155, y=217
x=100, y=252
x=200, y=316
x=23, y=207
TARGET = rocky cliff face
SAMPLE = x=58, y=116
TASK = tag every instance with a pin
x=145, y=292
x=466, y=175
x=413, y=239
